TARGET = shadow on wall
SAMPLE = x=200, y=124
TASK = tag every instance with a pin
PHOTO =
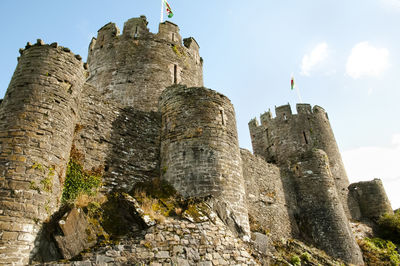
x=134, y=152
x=132, y=156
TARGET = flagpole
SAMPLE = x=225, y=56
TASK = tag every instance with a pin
x=162, y=11
x=298, y=94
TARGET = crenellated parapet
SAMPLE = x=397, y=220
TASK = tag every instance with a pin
x=288, y=134
x=38, y=118
x=134, y=67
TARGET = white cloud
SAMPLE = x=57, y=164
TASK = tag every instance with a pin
x=367, y=60
x=311, y=60
x=367, y=163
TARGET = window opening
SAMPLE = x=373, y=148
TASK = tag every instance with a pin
x=222, y=116
x=173, y=37
x=305, y=137
x=175, y=74
x=136, y=32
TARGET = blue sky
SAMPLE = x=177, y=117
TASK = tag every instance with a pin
x=345, y=56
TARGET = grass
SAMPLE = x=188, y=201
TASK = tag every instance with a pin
x=377, y=251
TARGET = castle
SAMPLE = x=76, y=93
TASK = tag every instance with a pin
x=138, y=110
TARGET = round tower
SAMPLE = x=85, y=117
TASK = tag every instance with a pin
x=372, y=198
x=200, y=154
x=323, y=138
x=288, y=135
x=135, y=67
x=321, y=217
x=37, y=123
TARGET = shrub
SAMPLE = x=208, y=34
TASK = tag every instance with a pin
x=305, y=257
x=377, y=251
x=295, y=260
x=78, y=182
x=389, y=225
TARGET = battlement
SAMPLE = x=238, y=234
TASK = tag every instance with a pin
x=284, y=112
x=191, y=43
x=135, y=67
x=136, y=27
x=169, y=31
x=40, y=42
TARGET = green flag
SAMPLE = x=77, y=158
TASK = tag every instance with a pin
x=168, y=8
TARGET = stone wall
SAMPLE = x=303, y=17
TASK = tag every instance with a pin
x=121, y=141
x=267, y=202
x=176, y=242
x=321, y=218
x=199, y=149
x=280, y=138
x=372, y=198
x=37, y=121
x=135, y=67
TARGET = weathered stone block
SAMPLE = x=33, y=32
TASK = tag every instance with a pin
x=78, y=234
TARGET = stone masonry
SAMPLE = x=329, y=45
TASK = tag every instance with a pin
x=286, y=135
x=38, y=117
x=372, y=198
x=321, y=218
x=268, y=203
x=199, y=149
x=135, y=67
x=136, y=111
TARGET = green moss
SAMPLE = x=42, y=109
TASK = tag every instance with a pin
x=47, y=208
x=176, y=50
x=77, y=182
x=389, y=225
x=47, y=184
x=295, y=260
x=377, y=251
x=38, y=166
x=148, y=245
x=305, y=257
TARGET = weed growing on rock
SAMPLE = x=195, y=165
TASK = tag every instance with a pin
x=389, y=225
x=77, y=182
x=377, y=251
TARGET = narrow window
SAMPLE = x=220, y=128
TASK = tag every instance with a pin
x=305, y=137
x=175, y=74
x=222, y=117
x=136, y=32
x=173, y=37
x=284, y=116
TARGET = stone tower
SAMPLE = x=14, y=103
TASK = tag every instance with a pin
x=38, y=117
x=371, y=198
x=200, y=153
x=320, y=216
x=288, y=135
x=135, y=67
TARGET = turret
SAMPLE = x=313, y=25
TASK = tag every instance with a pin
x=141, y=64
x=321, y=217
x=200, y=153
x=38, y=117
x=287, y=135
x=372, y=199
